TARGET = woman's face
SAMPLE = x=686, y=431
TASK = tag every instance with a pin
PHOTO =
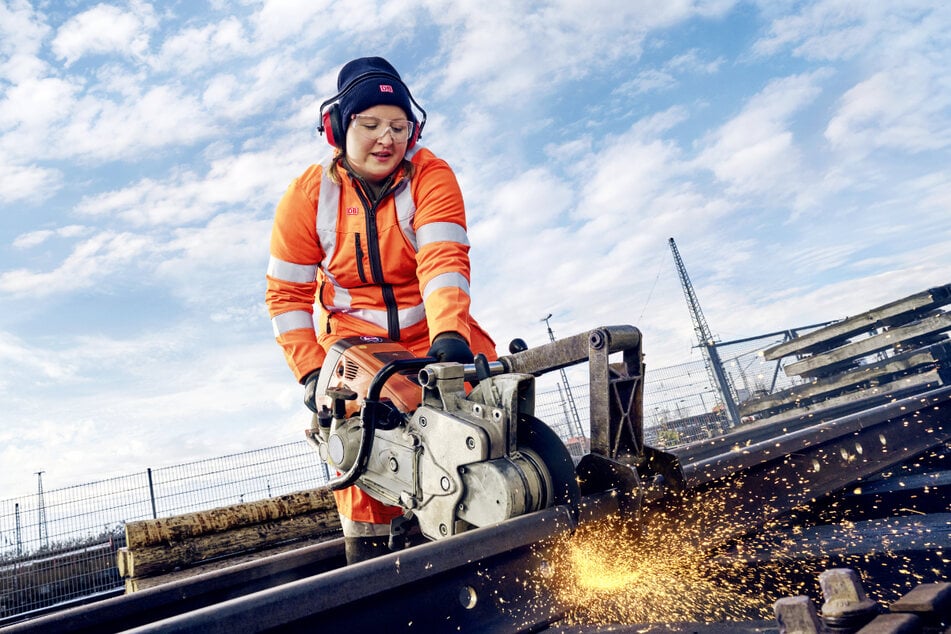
x=373, y=149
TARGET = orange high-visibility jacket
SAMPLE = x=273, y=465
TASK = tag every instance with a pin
x=399, y=269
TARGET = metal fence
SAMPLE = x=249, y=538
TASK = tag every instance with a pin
x=683, y=403
x=61, y=546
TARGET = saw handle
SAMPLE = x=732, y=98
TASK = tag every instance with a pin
x=376, y=413
x=360, y=464
x=391, y=368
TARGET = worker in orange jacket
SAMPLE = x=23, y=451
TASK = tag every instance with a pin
x=377, y=236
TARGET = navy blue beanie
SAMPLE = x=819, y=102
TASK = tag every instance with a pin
x=382, y=87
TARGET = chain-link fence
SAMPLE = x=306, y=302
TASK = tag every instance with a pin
x=60, y=546
x=682, y=403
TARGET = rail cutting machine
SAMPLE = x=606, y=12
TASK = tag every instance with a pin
x=410, y=432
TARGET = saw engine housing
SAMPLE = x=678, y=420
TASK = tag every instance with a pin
x=406, y=432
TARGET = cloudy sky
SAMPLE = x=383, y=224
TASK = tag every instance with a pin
x=797, y=152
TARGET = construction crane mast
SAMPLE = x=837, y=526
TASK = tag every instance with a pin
x=711, y=357
x=576, y=430
x=41, y=511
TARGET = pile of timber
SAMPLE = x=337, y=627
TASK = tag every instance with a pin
x=166, y=549
x=895, y=350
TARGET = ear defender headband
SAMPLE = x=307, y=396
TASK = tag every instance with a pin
x=334, y=128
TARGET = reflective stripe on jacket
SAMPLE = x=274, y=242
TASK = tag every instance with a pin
x=390, y=269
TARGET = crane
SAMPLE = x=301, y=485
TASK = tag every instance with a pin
x=711, y=357
x=577, y=430
x=41, y=511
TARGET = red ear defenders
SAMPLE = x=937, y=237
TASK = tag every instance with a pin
x=333, y=127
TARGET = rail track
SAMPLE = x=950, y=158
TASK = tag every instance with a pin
x=878, y=471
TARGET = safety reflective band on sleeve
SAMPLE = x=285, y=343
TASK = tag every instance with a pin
x=292, y=320
x=406, y=213
x=329, y=202
x=455, y=280
x=441, y=232
x=342, y=298
x=407, y=316
x=290, y=272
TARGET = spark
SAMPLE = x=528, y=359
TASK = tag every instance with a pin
x=610, y=572
x=718, y=559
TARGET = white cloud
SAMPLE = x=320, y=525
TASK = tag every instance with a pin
x=20, y=67
x=897, y=94
x=91, y=261
x=693, y=61
x=629, y=172
x=21, y=33
x=262, y=84
x=207, y=46
x=839, y=29
x=159, y=117
x=32, y=239
x=19, y=359
x=27, y=182
x=279, y=20
x=181, y=396
x=647, y=81
x=933, y=192
x=246, y=180
x=36, y=103
x=30, y=112
x=36, y=238
x=531, y=200
x=569, y=246
x=756, y=151
x=508, y=52
x=904, y=109
x=105, y=29
x=219, y=265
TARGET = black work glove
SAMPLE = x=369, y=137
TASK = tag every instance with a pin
x=310, y=390
x=449, y=346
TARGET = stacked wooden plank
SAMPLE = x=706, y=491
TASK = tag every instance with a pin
x=168, y=548
x=888, y=352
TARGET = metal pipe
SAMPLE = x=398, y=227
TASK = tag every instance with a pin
x=571, y=350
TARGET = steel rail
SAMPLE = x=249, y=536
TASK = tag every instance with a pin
x=308, y=584
x=461, y=583
x=753, y=482
x=481, y=580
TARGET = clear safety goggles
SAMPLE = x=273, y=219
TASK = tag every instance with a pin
x=374, y=128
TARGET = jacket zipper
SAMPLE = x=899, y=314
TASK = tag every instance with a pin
x=376, y=263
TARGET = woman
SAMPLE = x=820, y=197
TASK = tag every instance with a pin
x=377, y=236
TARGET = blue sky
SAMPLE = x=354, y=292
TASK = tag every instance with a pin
x=797, y=152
